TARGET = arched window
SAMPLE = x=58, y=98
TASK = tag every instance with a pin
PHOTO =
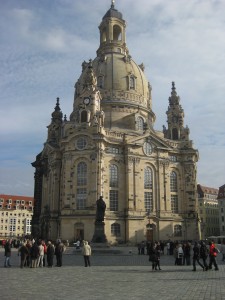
x=100, y=82
x=174, y=134
x=113, y=200
x=132, y=82
x=173, y=182
x=140, y=123
x=82, y=174
x=113, y=185
x=177, y=230
x=115, y=229
x=83, y=116
x=148, y=190
x=81, y=198
x=113, y=170
x=173, y=190
x=174, y=204
x=117, y=36
x=81, y=185
x=104, y=35
x=148, y=178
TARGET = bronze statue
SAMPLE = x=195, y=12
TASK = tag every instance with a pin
x=100, y=211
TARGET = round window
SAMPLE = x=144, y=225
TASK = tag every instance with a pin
x=81, y=143
x=147, y=148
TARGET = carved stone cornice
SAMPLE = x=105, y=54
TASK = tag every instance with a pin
x=133, y=160
x=164, y=163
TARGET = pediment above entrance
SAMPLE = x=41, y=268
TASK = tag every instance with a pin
x=152, y=138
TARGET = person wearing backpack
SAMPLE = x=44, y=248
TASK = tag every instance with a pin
x=204, y=254
x=212, y=256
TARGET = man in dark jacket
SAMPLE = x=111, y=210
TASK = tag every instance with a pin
x=187, y=254
x=34, y=254
x=24, y=252
x=58, y=252
x=50, y=254
x=8, y=246
x=204, y=254
x=196, y=257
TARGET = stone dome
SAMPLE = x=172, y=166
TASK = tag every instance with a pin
x=112, y=12
x=120, y=81
x=119, y=78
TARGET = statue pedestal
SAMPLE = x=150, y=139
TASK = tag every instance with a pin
x=99, y=234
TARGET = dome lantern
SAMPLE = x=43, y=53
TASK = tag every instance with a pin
x=112, y=33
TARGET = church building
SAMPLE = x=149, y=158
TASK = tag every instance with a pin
x=108, y=147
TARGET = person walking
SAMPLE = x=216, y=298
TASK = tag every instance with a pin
x=143, y=248
x=24, y=253
x=28, y=258
x=212, y=256
x=204, y=254
x=50, y=254
x=41, y=254
x=153, y=256
x=58, y=252
x=168, y=248
x=34, y=254
x=196, y=256
x=8, y=246
x=175, y=254
x=86, y=251
x=162, y=246
x=45, y=253
x=157, y=259
x=180, y=254
x=187, y=254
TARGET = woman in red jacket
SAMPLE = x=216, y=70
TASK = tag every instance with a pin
x=212, y=256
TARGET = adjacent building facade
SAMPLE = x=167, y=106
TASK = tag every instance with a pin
x=208, y=211
x=221, y=206
x=109, y=147
x=16, y=214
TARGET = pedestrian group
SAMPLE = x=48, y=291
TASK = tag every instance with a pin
x=35, y=254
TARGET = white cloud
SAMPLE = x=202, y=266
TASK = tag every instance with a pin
x=22, y=20
x=17, y=180
x=42, y=48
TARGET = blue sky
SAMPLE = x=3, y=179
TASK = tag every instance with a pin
x=44, y=42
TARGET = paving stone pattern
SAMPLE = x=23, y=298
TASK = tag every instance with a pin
x=111, y=276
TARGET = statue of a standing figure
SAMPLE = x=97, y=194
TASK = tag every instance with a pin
x=100, y=211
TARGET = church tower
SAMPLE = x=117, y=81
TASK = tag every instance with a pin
x=109, y=148
x=175, y=118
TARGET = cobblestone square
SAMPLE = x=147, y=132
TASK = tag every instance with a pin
x=111, y=276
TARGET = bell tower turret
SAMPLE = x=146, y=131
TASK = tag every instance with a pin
x=175, y=118
x=54, y=129
x=87, y=107
x=112, y=33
